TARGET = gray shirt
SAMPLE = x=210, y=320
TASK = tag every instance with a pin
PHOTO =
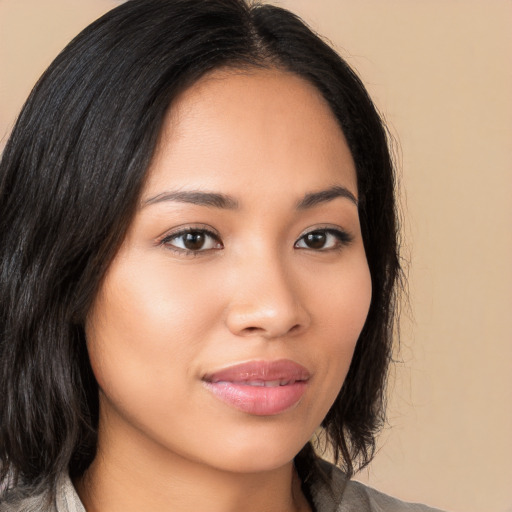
x=332, y=493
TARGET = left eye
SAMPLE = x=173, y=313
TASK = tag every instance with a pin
x=193, y=241
x=323, y=239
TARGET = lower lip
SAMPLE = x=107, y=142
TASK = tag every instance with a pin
x=258, y=400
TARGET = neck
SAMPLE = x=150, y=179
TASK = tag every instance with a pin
x=136, y=474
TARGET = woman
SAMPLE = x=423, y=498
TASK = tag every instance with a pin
x=199, y=262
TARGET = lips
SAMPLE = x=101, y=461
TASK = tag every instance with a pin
x=261, y=388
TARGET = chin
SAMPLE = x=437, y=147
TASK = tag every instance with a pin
x=256, y=453
x=255, y=463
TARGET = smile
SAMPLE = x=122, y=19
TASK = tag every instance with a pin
x=261, y=388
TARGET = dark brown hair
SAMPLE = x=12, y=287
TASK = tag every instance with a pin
x=71, y=175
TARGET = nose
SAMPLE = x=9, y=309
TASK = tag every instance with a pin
x=266, y=301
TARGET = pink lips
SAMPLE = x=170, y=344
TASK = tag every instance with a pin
x=262, y=388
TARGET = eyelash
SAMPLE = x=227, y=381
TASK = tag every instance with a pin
x=343, y=239
x=166, y=241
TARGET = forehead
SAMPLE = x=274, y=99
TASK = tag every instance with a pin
x=242, y=129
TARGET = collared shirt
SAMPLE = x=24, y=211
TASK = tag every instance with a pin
x=329, y=491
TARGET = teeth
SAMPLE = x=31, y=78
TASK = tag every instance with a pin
x=268, y=383
x=255, y=383
x=259, y=383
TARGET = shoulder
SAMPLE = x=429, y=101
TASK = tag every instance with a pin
x=359, y=495
x=332, y=492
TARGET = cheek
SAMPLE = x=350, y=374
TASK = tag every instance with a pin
x=144, y=331
x=343, y=300
x=340, y=321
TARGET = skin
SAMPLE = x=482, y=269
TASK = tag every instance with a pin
x=164, y=318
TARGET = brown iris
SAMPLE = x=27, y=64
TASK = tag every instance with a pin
x=315, y=239
x=194, y=241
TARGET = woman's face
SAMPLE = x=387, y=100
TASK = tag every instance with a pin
x=225, y=326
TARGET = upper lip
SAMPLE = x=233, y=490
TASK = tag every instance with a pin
x=280, y=370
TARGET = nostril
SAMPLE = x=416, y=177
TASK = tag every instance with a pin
x=294, y=329
x=270, y=318
x=252, y=330
x=249, y=330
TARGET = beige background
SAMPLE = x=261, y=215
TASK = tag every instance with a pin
x=440, y=71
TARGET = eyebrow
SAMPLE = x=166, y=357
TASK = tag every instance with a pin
x=315, y=198
x=210, y=199
x=217, y=200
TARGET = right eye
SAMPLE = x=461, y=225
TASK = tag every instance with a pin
x=192, y=240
